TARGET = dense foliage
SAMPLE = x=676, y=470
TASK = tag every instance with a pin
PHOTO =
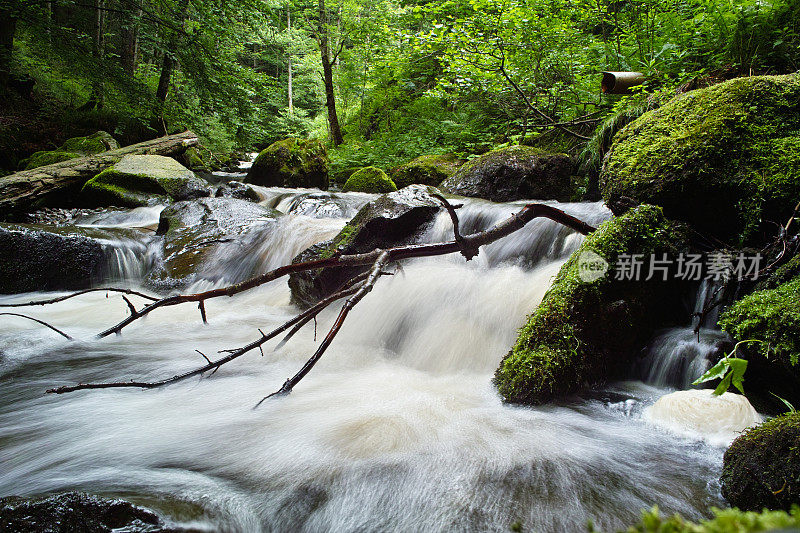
x=408, y=77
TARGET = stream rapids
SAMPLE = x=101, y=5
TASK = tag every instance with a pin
x=397, y=428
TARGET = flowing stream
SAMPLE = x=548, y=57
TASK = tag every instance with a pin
x=398, y=428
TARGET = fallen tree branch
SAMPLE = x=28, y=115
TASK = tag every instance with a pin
x=79, y=293
x=378, y=258
x=42, y=322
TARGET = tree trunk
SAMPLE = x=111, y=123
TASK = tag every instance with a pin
x=130, y=42
x=289, y=29
x=327, y=76
x=8, y=27
x=96, y=99
x=168, y=64
x=43, y=185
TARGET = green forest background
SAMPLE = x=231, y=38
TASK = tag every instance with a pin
x=380, y=81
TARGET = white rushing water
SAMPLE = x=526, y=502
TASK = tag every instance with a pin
x=398, y=428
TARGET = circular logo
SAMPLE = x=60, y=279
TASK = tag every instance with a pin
x=591, y=266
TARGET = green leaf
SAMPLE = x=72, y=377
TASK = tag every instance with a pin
x=716, y=371
x=724, y=385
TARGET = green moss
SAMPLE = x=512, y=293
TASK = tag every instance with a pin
x=722, y=158
x=724, y=521
x=583, y=333
x=340, y=177
x=291, y=162
x=91, y=144
x=427, y=170
x=141, y=180
x=370, y=179
x=193, y=159
x=40, y=159
x=341, y=240
x=770, y=315
x=761, y=468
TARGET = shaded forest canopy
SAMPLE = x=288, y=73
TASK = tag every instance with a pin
x=386, y=80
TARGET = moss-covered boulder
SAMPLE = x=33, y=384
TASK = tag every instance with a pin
x=75, y=511
x=140, y=180
x=724, y=521
x=193, y=231
x=426, y=170
x=771, y=316
x=37, y=260
x=72, y=148
x=724, y=158
x=590, y=326
x=391, y=220
x=369, y=179
x=291, y=163
x=761, y=468
x=515, y=173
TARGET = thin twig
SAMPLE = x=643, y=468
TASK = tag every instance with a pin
x=42, y=322
x=79, y=293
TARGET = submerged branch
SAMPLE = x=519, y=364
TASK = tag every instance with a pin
x=42, y=322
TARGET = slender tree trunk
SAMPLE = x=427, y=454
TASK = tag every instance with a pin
x=96, y=98
x=8, y=27
x=327, y=76
x=130, y=42
x=289, y=28
x=168, y=64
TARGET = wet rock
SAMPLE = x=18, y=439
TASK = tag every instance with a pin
x=140, y=180
x=323, y=205
x=393, y=219
x=237, y=190
x=37, y=260
x=76, y=511
x=194, y=230
x=724, y=158
x=291, y=163
x=590, y=326
x=771, y=316
x=515, y=173
x=426, y=170
x=761, y=468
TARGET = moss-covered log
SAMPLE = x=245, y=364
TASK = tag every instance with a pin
x=58, y=184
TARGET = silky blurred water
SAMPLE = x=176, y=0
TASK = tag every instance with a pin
x=398, y=428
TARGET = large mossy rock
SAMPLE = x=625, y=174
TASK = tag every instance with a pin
x=37, y=260
x=75, y=511
x=369, y=179
x=194, y=230
x=771, y=316
x=72, y=148
x=515, y=173
x=426, y=170
x=391, y=220
x=761, y=468
x=722, y=158
x=291, y=163
x=140, y=180
x=588, y=329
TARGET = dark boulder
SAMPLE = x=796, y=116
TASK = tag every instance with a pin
x=515, y=173
x=75, y=511
x=392, y=219
x=37, y=260
x=761, y=468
